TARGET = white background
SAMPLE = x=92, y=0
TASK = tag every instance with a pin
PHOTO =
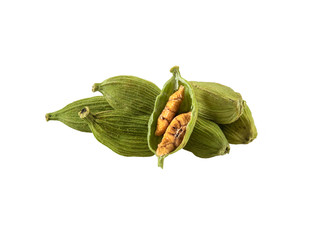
x=57, y=183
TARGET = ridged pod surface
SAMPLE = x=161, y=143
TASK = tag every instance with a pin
x=243, y=130
x=132, y=94
x=217, y=102
x=119, y=131
x=188, y=104
x=207, y=140
x=69, y=114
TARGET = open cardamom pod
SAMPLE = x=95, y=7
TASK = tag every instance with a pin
x=217, y=102
x=69, y=114
x=187, y=105
x=132, y=94
x=119, y=131
x=243, y=130
x=207, y=140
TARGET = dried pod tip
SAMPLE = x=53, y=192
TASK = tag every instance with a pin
x=174, y=69
x=84, y=112
x=95, y=87
x=227, y=150
x=160, y=162
x=47, y=117
x=51, y=116
x=241, y=106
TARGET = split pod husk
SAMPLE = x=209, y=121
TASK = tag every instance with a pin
x=188, y=104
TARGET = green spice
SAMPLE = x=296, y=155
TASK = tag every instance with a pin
x=188, y=104
x=69, y=114
x=132, y=94
x=217, y=102
x=119, y=131
x=207, y=140
x=243, y=130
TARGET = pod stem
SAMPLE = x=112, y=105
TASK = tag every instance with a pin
x=160, y=161
x=176, y=74
x=95, y=87
x=175, y=70
x=50, y=116
x=227, y=150
x=86, y=114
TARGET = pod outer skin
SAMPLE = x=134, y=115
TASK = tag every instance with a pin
x=69, y=114
x=242, y=131
x=217, y=102
x=121, y=132
x=129, y=93
x=207, y=140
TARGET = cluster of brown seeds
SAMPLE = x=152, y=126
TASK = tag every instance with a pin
x=172, y=127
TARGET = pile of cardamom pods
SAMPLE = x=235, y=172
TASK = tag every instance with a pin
x=135, y=118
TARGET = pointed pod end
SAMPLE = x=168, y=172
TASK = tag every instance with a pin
x=251, y=137
x=241, y=105
x=95, y=87
x=227, y=150
x=174, y=69
x=160, y=161
x=84, y=112
x=51, y=116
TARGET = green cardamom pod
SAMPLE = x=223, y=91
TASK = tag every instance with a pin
x=217, y=102
x=119, y=131
x=243, y=130
x=188, y=109
x=132, y=94
x=69, y=114
x=207, y=140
